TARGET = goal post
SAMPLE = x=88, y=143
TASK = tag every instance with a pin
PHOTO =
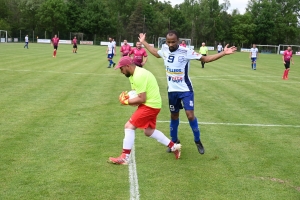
x=283, y=47
x=3, y=35
x=162, y=40
x=78, y=35
x=267, y=48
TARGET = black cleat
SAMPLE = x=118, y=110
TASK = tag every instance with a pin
x=109, y=66
x=169, y=149
x=114, y=64
x=200, y=147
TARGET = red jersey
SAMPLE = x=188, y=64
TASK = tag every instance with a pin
x=125, y=49
x=183, y=45
x=74, y=41
x=287, y=55
x=138, y=55
x=55, y=41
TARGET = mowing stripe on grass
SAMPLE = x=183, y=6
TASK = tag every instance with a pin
x=193, y=77
x=133, y=178
x=238, y=124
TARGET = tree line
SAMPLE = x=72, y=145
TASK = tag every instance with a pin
x=264, y=22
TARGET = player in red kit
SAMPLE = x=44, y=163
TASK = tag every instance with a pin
x=74, y=42
x=287, y=59
x=125, y=48
x=183, y=44
x=139, y=55
x=55, y=42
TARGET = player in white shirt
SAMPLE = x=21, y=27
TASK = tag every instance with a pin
x=26, y=41
x=111, y=52
x=180, y=88
x=253, y=56
x=220, y=48
x=113, y=41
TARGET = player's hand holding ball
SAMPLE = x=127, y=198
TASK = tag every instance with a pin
x=123, y=98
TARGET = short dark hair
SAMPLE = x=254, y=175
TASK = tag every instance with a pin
x=172, y=32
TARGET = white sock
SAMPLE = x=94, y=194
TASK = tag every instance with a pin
x=160, y=137
x=128, y=140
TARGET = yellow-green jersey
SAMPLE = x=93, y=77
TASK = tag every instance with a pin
x=203, y=50
x=143, y=80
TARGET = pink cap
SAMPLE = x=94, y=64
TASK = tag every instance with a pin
x=126, y=60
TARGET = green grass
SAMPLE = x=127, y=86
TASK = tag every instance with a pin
x=61, y=120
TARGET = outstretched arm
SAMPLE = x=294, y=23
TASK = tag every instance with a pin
x=214, y=57
x=151, y=49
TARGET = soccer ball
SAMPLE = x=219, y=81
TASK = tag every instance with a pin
x=132, y=94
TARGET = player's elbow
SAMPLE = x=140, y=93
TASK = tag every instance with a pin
x=142, y=98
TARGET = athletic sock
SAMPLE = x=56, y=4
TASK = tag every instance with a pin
x=128, y=140
x=254, y=65
x=161, y=138
x=287, y=73
x=195, y=129
x=174, y=129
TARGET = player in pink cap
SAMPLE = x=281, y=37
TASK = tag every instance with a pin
x=149, y=105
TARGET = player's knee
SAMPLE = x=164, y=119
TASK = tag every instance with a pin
x=191, y=117
x=128, y=125
x=148, y=132
x=174, y=116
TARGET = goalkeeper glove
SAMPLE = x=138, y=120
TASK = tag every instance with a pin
x=123, y=98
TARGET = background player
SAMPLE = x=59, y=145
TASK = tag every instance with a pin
x=74, y=42
x=139, y=54
x=125, y=48
x=183, y=44
x=26, y=41
x=111, y=52
x=54, y=42
x=287, y=58
x=253, y=56
x=204, y=52
x=220, y=48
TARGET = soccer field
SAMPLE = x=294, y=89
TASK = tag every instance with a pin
x=61, y=120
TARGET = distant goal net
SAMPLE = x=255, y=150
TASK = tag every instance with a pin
x=79, y=36
x=3, y=35
x=267, y=48
x=283, y=47
x=162, y=40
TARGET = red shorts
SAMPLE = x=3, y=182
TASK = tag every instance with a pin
x=144, y=117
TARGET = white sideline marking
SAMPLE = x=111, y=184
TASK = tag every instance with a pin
x=238, y=124
x=133, y=178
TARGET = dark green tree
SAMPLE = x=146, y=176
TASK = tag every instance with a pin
x=52, y=15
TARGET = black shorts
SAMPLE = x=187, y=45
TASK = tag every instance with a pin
x=55, y=47
x=287, y=64
x=75, y=46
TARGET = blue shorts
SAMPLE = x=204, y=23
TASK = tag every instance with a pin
x=176, y=99
x=253, y=59
x=110, y=56
x=219, y=51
